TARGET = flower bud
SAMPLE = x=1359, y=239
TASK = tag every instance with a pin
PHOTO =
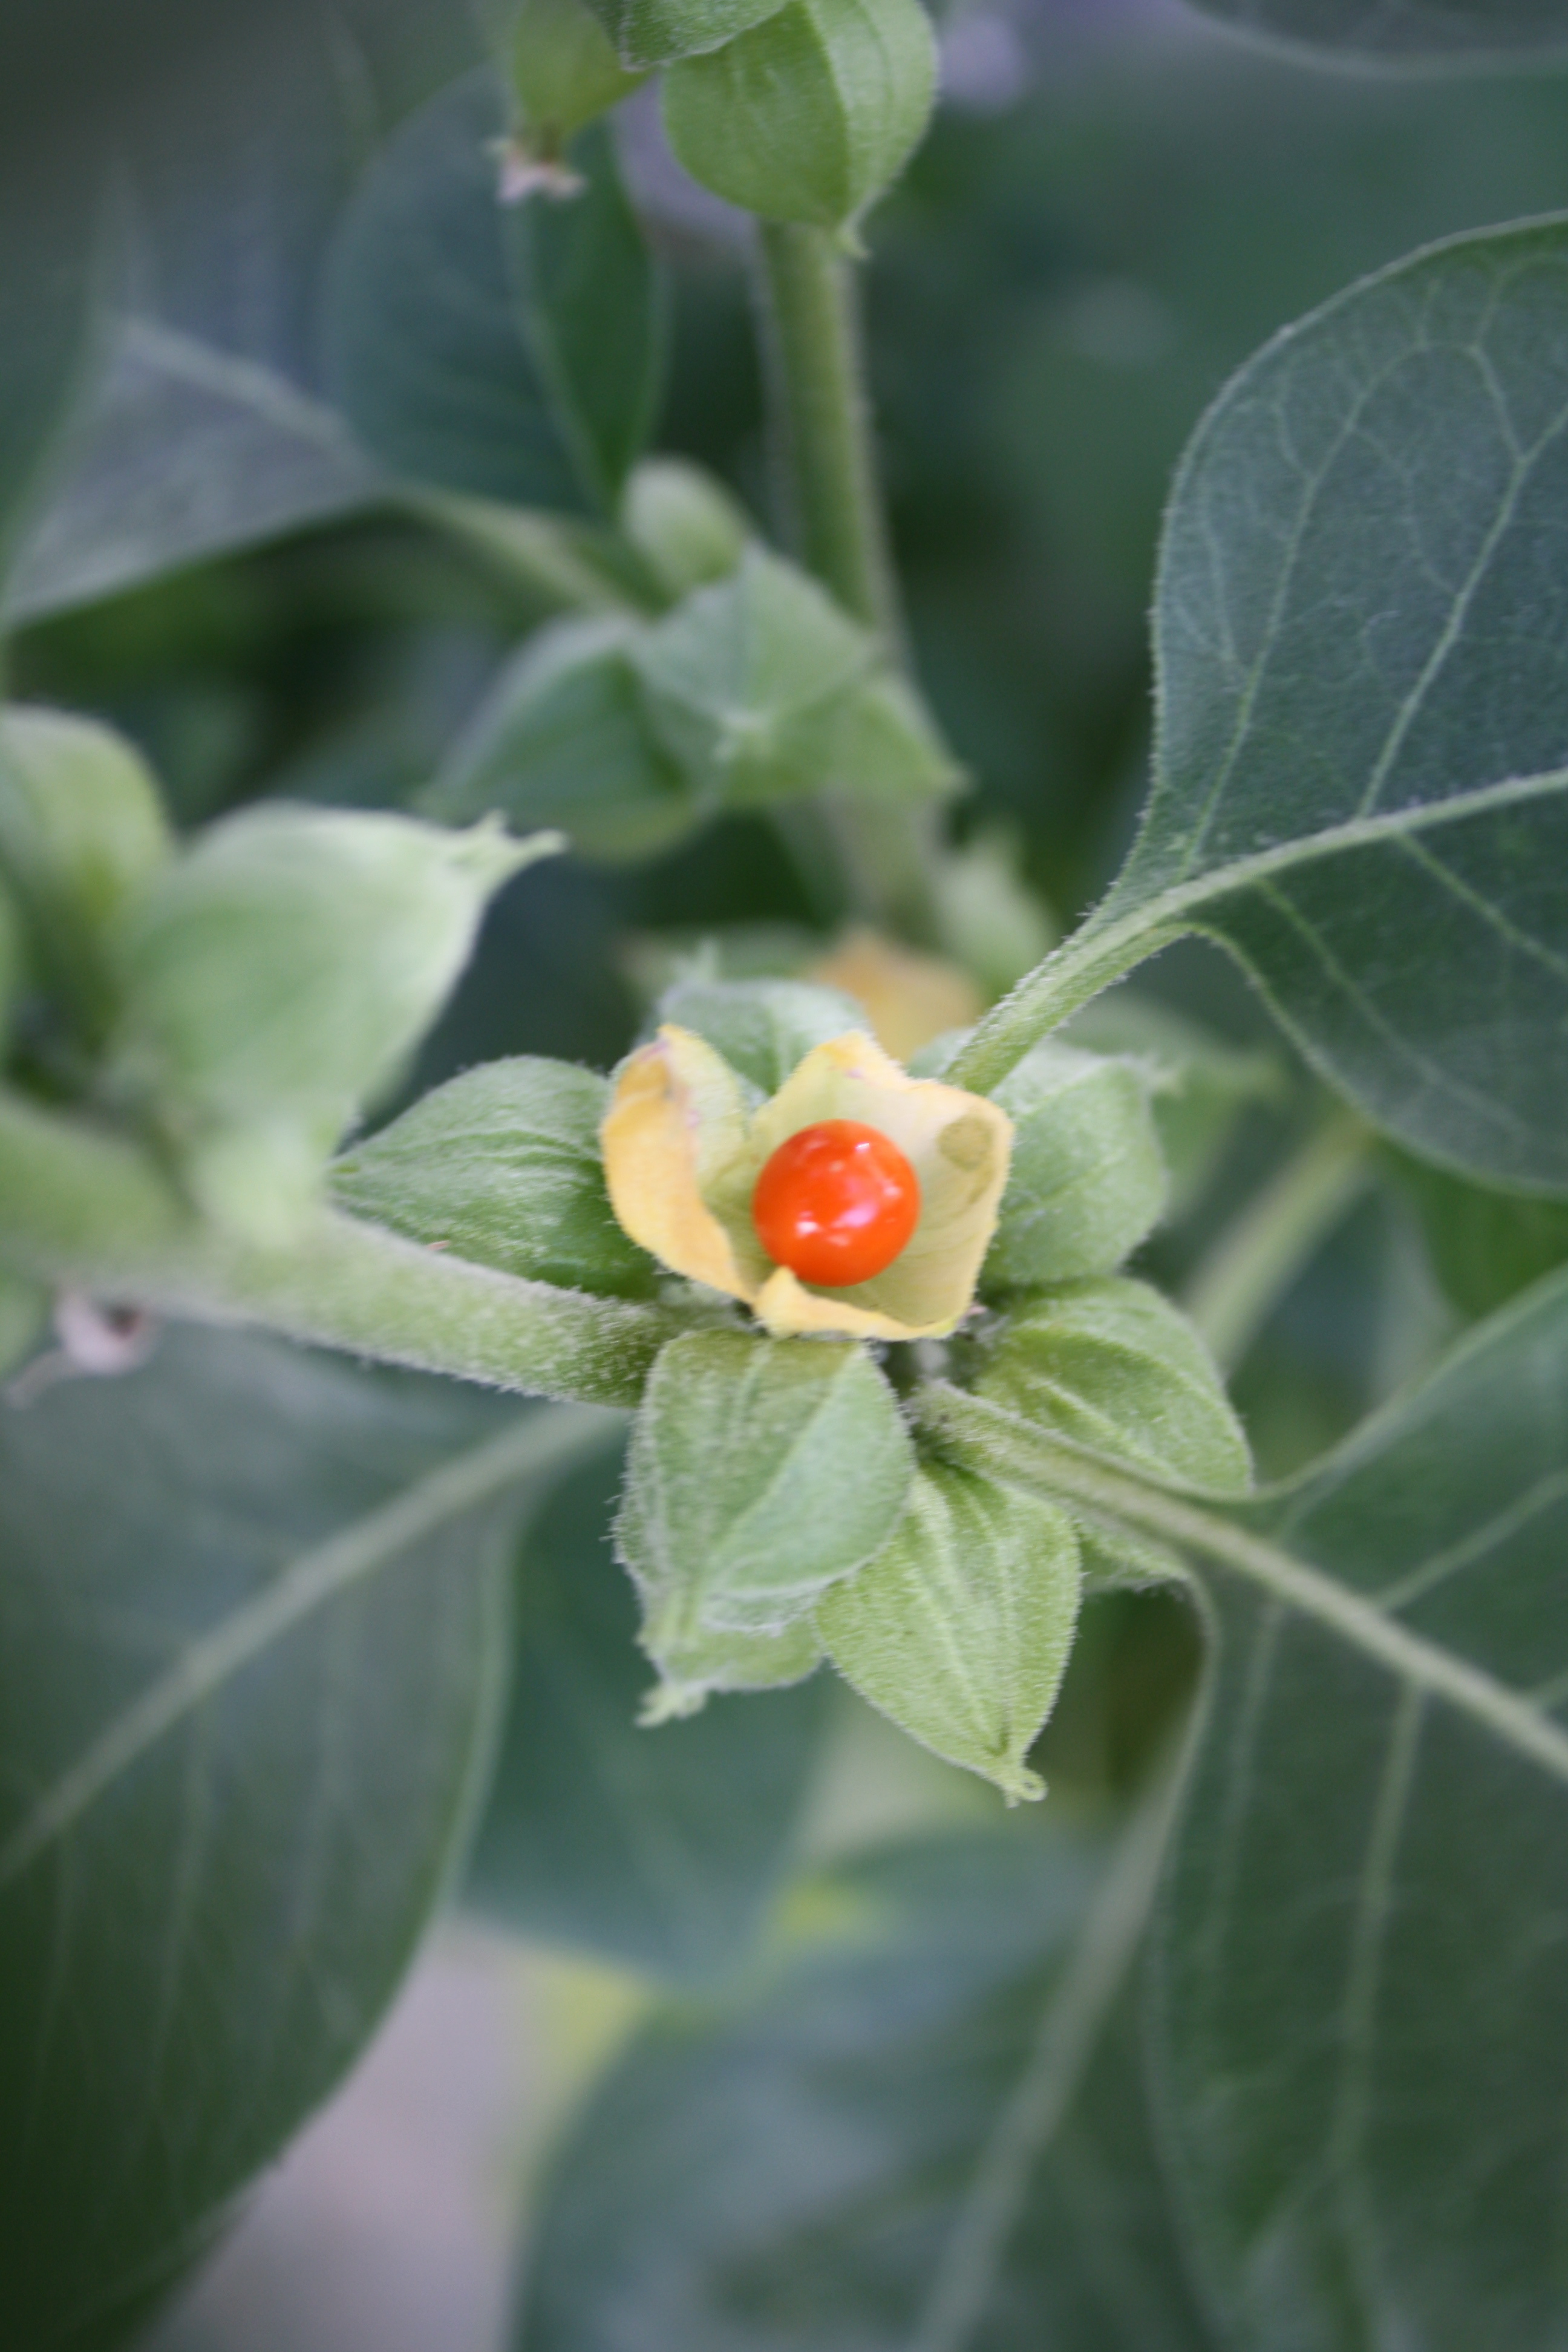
x=564, y=73
x=811, y=115
x=82, y=830
x=649, y=33
x=275, y=976
x=684, y=524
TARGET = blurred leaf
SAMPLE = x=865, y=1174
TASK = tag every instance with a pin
x=562, y=738
x=506, y=351
x=1367, y=800
x=1484, y=1246
x=1412, y=31
x=216, y=142
x=1199, y=1083
x=253, y=1620
x=917, y=2130
x=659, y=1847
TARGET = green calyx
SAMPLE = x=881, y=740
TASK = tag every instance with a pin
x=810, y=116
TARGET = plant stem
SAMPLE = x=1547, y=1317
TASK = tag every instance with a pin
x=1254, y=1263
x=825, y=455
x=83, y=1210
x=822, y=422
x=1066, y=981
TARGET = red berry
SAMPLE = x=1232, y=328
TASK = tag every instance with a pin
x=837, y=1203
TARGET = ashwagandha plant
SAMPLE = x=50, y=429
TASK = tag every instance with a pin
x=827, y=1283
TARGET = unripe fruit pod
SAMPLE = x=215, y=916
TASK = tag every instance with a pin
x=811, y=116
x=82, y=831
x=685, y=525
x=563, y=72
x=277, y=976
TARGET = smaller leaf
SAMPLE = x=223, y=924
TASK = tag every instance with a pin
x=502, y=1166
x=277, y=974
x=562, y=739
x=960, y=1627
x=656, y=32
x=761, y=1471
x=1199, y=1083
x=812, y=115
x=563, y=72
x=82, y=830
x=1088, y=1182
x=683, y=523
x=1114, y=1366
x=1485, y=1246
x=763, y=1028
x=743, y=678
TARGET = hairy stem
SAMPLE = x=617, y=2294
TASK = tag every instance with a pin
x=1052, y=993
x=1254, y=1263
x=826, y=454
x=83, y=1210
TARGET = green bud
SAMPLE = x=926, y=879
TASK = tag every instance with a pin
x=812, y=115
x=1116, y=1367
x=562, y=739
x=24, y=1317
x=564, y=73
x=1199, y=1085
x=744, y=680
x=760, y=1472
x=960, y=1627
x=82, y=831
x=1087, y=1183
x=649, y=33
x=881, y=742
x=277, y=975
x=684, y=524
x=763, y=1028
x=502, y=1166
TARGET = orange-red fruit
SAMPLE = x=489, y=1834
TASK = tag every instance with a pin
x=837, y=1203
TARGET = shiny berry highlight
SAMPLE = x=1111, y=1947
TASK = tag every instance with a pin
x=837, y=1203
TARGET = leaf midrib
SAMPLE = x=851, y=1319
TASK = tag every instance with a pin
x=555, y=1439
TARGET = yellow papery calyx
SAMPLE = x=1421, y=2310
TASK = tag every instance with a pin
x=683, y=1152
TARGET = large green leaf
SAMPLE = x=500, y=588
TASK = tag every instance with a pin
x=1363, y=1946
x=924, y=2131
x=506, y=351
x=1361, y=773
x=253, y=1623
x=659, y=1847
x=1411, y=30
x=207, y=426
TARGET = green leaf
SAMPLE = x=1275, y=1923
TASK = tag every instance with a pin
x=1484, y=1246
x=658, y=1848
x=506, y=351
x=1361, y=783
x=46, y=349
x=1361, y=1989
x=252, y=1618
x=960, y=1627
x=763, y=1028
x=654, y=32
x=1086, y=1181
x=1413, y=31
x=82, y=833
x=684, y=523
x=1115, y=1367
x=811, y=115
x=761, y=1471
x=502, y=1166
x=562, y=739
x=746, y=679
x=205, y=427
x=563, y=72
x=24, y=1318
x=925, y=2127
